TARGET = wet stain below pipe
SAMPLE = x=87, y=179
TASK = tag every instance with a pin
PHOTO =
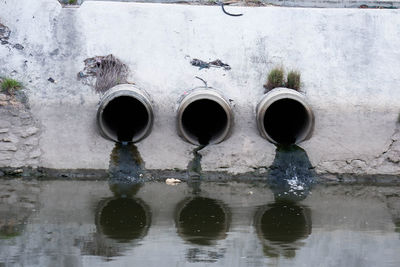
x=126, y=170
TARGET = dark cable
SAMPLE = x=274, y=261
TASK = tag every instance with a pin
x=229, y=14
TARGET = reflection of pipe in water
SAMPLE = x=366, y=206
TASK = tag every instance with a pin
x=284, y=117
x=204, y=116
x=125, y=114
x=123, y=219
x=202, y=221
x=281, y=227
x=291, y=175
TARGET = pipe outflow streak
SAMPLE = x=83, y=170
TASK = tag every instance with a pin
x=125, y=114
x=204, y=116
x=284, y=117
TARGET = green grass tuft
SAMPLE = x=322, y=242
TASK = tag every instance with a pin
x=10, y=86
x=293, y=80
x=275, y=79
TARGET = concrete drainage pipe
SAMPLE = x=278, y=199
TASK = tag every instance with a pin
x=125, y=114
x=204, y=117
x=284, y=117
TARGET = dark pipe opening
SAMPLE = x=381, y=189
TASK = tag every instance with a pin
x=124, y=219
x=285, y=120
x=126, y=117
x=205, y=119
x=202, y=221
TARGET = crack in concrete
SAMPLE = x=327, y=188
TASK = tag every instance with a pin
x=387, y=160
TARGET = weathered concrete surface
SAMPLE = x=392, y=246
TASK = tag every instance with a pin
x=291, y=3
x=335, y=3
x=348, y=59
x=19, y=134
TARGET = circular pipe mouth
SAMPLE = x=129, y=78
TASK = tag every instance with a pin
x=284, y=117
x=125, y=114
x=204, y=117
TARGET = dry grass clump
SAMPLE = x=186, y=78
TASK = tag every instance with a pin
x=293, y=80
x=276, y=78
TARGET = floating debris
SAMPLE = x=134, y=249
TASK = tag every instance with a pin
x=172, y=181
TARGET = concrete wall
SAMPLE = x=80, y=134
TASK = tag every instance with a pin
x=348, y=58
x=292, y=3
x=335, y=3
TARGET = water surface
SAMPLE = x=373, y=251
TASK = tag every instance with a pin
x=83, y=223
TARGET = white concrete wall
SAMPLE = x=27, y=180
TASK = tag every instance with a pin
x=348, y=58
x=293, y=3
x=335, y=3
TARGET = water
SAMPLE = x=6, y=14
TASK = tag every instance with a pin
x=132, y=220
x=83, y=223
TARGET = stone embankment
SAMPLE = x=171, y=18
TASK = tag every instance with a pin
x=19, y=134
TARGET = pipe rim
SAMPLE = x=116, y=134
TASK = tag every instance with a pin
x=202, y=93
x=131, y=91
x=284, y=93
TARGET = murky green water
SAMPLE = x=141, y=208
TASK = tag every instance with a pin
x=83, y=223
